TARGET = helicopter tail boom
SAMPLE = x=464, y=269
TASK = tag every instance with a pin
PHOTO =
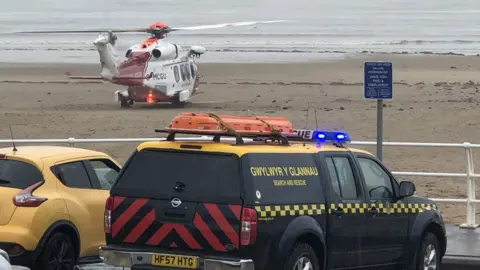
x=69, y=75
x=114, y=79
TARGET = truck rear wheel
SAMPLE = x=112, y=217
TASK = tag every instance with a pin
x=302, y=258
x=428, y=255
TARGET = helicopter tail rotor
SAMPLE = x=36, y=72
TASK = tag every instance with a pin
x=112, y=38
x=105, y=38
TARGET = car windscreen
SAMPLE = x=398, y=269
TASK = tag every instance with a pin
x=18, y=174
x=190, y=176
x=282, y=178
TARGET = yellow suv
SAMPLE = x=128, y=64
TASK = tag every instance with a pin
x=52, y=202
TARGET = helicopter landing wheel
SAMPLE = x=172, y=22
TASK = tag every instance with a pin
x=177, y=103
x=125, y=103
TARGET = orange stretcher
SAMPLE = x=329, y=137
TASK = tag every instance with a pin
x=207, y=123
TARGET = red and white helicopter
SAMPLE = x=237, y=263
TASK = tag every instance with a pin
x=155, y=70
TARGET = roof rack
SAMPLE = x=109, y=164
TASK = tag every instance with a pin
x=254, y=127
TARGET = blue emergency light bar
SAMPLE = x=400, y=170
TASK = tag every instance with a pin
x=321, y=136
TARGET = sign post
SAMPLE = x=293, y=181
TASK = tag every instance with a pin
x=378, y=84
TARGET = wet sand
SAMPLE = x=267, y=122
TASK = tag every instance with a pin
x=435, y=100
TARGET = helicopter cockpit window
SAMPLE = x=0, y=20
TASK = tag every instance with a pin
x=182, y=72
x=176, y=74
x=192, y=70
x=176, y=50
x=128, y=53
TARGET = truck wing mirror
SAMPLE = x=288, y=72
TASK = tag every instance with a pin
x=407, y=189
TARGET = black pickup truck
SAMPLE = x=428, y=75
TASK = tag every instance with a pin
x=220, y=205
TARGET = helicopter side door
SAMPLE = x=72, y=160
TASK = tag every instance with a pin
x=182, y=78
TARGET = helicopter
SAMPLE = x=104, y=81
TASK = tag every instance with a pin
x=154, y=70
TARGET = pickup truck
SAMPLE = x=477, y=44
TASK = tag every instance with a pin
x=250, y=204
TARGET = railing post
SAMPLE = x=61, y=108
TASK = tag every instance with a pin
x=71, y=141
x=471, y=207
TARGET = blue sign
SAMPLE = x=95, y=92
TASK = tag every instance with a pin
x=378, y=80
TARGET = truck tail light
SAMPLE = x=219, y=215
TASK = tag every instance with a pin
x=108, y=215
x=248, y=234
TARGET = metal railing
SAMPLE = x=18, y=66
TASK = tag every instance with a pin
x=469, y=174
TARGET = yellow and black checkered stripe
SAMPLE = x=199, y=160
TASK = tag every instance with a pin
x=290, y=210
x=393, y=208
x=402, y=208
x=350, y=208
x=270, y=211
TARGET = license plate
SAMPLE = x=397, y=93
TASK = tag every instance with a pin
x=175, y=261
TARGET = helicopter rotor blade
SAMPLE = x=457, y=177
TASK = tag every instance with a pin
x=147, y=30
x=138, y=30
x=223, y=25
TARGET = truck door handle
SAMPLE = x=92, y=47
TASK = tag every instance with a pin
x=338, y=211
x=373, y=211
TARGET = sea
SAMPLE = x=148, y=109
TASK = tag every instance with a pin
x=317, y=29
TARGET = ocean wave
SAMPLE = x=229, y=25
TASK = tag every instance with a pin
x=456, y=41
x=209, y=50
x=47, y=49
x=228, y=39
x=301, y=51
x=45, y=42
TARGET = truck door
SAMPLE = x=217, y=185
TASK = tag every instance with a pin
x=387, y=217
x=347, y=219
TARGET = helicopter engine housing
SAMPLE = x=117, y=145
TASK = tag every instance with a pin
x=164, y=51
x=197, y=50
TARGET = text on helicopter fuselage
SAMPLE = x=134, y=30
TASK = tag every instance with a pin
x=159, y=76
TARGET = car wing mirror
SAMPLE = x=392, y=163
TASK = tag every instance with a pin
x=407, y=189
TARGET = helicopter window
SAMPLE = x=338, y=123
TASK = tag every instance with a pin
x=192, y=70
x=176, y=50
x=182, y=72
x=187, y=71
x=176, y=74
x=129, y=51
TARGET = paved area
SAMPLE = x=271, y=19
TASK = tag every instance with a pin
x=463, y=251
x=463, y=246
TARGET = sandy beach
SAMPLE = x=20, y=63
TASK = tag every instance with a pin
x=435, y=100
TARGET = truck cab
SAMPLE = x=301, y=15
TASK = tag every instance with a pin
x=257, y=194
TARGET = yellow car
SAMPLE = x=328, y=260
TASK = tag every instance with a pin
x=52, y=201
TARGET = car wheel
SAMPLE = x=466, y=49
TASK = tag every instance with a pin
x=303, y=257
x=58, y=253
x=428, y=255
